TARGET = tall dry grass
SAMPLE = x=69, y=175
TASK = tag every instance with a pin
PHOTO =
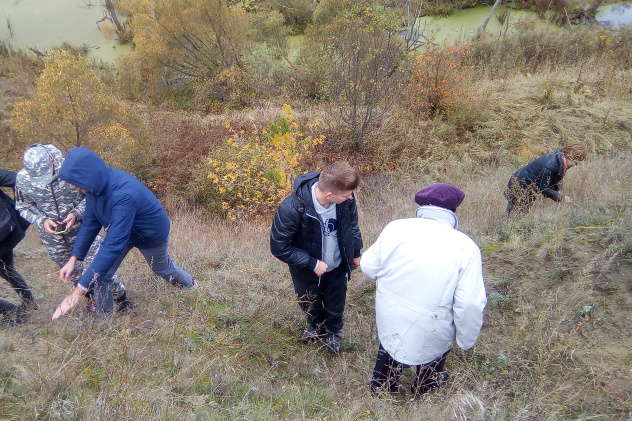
x=230, y=349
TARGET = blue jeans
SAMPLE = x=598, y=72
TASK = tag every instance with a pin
x=158, y=260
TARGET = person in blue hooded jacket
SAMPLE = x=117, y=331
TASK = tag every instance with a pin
x=132, y=217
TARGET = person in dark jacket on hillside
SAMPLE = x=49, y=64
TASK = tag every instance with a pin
x=542, y=176
x=315, y=231
x=12, y=232
x=132, y=217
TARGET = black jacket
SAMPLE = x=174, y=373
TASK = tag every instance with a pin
x=296, y=234
x=7, y=179
x=545, y=174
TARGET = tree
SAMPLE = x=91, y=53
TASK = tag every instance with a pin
x=73, y=107
x=359, y=55
x=205, y=45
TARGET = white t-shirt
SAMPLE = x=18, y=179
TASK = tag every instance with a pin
x=329, y=226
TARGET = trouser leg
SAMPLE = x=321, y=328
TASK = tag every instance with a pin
x=118, y=289
x=17, y=282
x=7, y=309
x=430, y=375
x=160, y=262
x=520, y=198
x=309, y=296
x=386, y=372
x=103, y=296
x=333, y=288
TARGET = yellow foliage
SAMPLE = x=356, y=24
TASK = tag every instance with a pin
x=72, y=107
x=250, y=176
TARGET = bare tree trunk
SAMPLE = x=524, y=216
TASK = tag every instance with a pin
x=110, y=8
x=491, y=13
x=513, y=4
x=592, y=10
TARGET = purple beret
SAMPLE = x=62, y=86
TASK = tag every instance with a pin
x=443, y=195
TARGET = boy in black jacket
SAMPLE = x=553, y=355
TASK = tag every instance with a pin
x=315, y=231
x=18, y=227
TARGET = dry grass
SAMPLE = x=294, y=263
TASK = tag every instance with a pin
x=230, y=351
x=556, y=341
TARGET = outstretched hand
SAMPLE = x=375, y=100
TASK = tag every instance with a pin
x=69, y=302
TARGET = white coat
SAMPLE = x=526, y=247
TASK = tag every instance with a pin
x=430, y=289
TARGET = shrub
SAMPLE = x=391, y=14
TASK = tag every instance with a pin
x=437, y=80
x=250, y=174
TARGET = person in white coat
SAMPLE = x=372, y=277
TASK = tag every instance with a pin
x=430, y=291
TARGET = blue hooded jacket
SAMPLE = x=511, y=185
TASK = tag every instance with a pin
x=118, y=201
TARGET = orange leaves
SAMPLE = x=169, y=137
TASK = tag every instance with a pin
x=438, y=80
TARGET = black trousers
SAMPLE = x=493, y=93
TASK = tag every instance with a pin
x=387, y=372
x=8, y=309
x=8, y=272
x=520, y=198
x=322, y=301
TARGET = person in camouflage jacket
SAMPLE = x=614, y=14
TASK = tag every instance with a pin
x=47, y=202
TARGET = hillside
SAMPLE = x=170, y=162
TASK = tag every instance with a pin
x=555, y=344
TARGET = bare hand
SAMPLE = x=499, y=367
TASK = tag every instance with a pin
x=322, y=268
x=70, y=220
x=567, y=199
x=69, y=302
x=356, y=263
x=66, y=271
x=49, y=226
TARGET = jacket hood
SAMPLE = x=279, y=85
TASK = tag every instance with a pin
x=303, y=185
x=83, y=168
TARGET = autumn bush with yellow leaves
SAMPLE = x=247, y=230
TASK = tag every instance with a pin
x=252, y=172
x=74, y=107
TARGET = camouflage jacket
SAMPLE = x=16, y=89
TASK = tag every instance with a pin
x=54, y=201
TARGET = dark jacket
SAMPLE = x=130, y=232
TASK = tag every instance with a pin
x=117, y=201
x=7, y=179
x=544, y=174
x=296, y=234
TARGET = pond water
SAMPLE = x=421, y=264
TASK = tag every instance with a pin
x=615, y=15
x=42, y=24
x=464, y=24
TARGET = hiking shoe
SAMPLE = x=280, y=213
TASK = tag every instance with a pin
x=311, y=334
x=123, y=304
x=333, y=342
x=28, y=305
x=194, y=284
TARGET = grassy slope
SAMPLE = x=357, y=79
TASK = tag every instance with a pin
x=229, y=350
x=556, y=339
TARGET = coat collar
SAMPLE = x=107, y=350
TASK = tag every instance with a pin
x=435, y=213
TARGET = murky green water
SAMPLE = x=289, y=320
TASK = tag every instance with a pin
x=615, y=15
x=464, y=24
x=42, y=24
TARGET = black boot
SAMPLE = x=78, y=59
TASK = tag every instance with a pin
x=123, y=304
